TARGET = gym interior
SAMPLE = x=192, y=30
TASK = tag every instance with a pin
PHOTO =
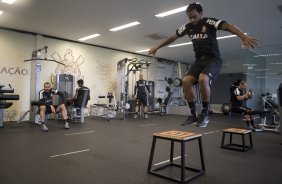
x=105, y=144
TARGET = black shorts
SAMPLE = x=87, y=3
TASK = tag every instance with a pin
x=211, y=66
x=141, y=99
x=240, y=109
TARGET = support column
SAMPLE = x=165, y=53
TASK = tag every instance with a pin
x=35, y=83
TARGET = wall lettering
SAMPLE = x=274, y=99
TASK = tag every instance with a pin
x=13, y=71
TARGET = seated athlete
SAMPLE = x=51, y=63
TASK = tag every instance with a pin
x=79, y=92
x=239, y=96
x=45, y=105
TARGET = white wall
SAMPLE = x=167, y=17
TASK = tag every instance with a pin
x=14, y=48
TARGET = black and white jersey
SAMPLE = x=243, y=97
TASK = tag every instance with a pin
x=237, y=92
x=140, y=87
x=203, y=36
x=80, y=94
x=45, y=98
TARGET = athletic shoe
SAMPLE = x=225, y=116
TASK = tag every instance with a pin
x=191, y=119
x=146, y=116
x=67, y=125
x=135, y=116
x=44, y=128
x=203, y=120
x=257, y=128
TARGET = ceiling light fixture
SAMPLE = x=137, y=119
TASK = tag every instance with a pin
x=225, y=37
x=170, y=12
x=274, y=78
x=145, y=50
x=271, y=73
x=267, y=55
x=276, y=63
x=261, y=69
x=125, y=26
x=8, y=1
x=89, y=37
x=249, y=74
x=247, y=64
x=180, y=44
x=188, y=43
x=1, y=12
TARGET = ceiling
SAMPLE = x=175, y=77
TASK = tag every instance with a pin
x=73, y=19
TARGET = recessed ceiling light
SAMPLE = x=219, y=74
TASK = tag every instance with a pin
x=271, y=73
x=144, y=50
x=261, y=69
x=247, y=64
x=156, y=36
x=276, y=63
x=224, y=37
x=267, y=55
x=125, y=26
x=1, y=12
x=170, y=12
x=180, y=44
x=8, y=1
x=249, y=74
x=188, y=43
x=88, y=37
x=274, y=78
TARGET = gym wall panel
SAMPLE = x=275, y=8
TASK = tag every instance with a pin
x=14, y=49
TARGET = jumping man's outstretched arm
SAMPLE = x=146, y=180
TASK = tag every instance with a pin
x=248, y=42
x=168, y=41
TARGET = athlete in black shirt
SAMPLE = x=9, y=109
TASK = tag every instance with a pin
x=45, y=105
x=140, y=87
x=79, y=93
x=232, y=88
x=239, y=96
x=202, y=32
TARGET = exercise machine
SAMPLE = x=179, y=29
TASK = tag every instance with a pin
x=3, y=100
x=109, y=110
x=165, y=103
x=35, y=83
x=270, y=106
x=124, y=68
x=64, y=83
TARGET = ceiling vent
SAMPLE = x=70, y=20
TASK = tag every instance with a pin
x=156, y=36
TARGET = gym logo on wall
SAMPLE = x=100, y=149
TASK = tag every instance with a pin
x=71, y=65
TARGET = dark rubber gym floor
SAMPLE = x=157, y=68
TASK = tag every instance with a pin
x=117, y=152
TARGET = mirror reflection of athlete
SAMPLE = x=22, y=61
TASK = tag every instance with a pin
x=202, y=32
x=45, y=105
x=239, y=96
x=140, y=87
